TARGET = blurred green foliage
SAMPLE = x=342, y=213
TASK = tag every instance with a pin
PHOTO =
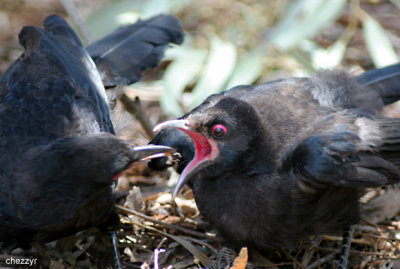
x=229, y=43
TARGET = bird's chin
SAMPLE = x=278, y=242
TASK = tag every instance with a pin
x=187, y=173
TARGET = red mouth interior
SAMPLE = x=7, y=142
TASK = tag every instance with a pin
x=117, y=176
x=203, y=150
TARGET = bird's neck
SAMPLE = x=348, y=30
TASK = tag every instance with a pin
x=261, y=156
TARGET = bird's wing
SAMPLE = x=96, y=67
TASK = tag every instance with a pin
x=123, y=55
x=385, y=80
x=336, y=89
x=347, y=151
x=76, y=64
x=53, y=89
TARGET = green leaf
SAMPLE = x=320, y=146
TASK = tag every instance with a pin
x=181, y=72
x=303, y=59
x=107, y=20
x=247, y=70
x=155, y=7
x=330, y=57
x=378, y=44
x=304, y=19
x=118, y=13
x=220, y=63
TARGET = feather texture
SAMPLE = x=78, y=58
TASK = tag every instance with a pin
x=123, y=55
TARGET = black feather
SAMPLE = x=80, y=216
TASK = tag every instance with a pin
x=383, y=80
x=123, y=55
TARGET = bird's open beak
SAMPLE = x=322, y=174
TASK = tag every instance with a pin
x=202, y=145
x=180, y=124
x=152, y=151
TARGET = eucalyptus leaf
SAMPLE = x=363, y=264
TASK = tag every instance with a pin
x=155, y=7
x=118, y=13
x=330, y=57
x=179, y=74
x=303, y=19
x=169, y=104
x=110, y=18
x=304, y=60
x=247, y=70
x=220, y=64
x=378, y=44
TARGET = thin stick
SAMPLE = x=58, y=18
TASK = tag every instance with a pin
x=358, y=252
x=200, y=255
x=321, y=261
x=157, y=248
x=200, y=243
x=170, y=226
x=292, y=258
x=78, y=20
x=340, y=238
x=136, y=109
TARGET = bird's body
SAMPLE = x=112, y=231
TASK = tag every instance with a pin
x=59, y=155
x=277, y=162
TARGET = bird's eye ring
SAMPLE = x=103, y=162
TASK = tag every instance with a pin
x=219, y=130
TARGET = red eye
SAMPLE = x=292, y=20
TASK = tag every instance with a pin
x=219, y=130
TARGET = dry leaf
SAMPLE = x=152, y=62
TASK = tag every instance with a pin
x=382, y=207
x=241, y=260
x=134, y=199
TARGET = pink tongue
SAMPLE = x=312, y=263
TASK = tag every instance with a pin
x=203, y=148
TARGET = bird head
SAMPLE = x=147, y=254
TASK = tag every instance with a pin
x=97, y=159
x=223, y=134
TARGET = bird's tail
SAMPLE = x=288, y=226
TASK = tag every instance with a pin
x=385, y=80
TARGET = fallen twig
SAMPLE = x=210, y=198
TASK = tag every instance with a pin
x=78, y=20
x=321, y=261
x=168, y=225
x=184, y=242
x=136, y=109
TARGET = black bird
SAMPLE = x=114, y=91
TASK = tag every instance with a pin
x=271, y=164
x=59, y=155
